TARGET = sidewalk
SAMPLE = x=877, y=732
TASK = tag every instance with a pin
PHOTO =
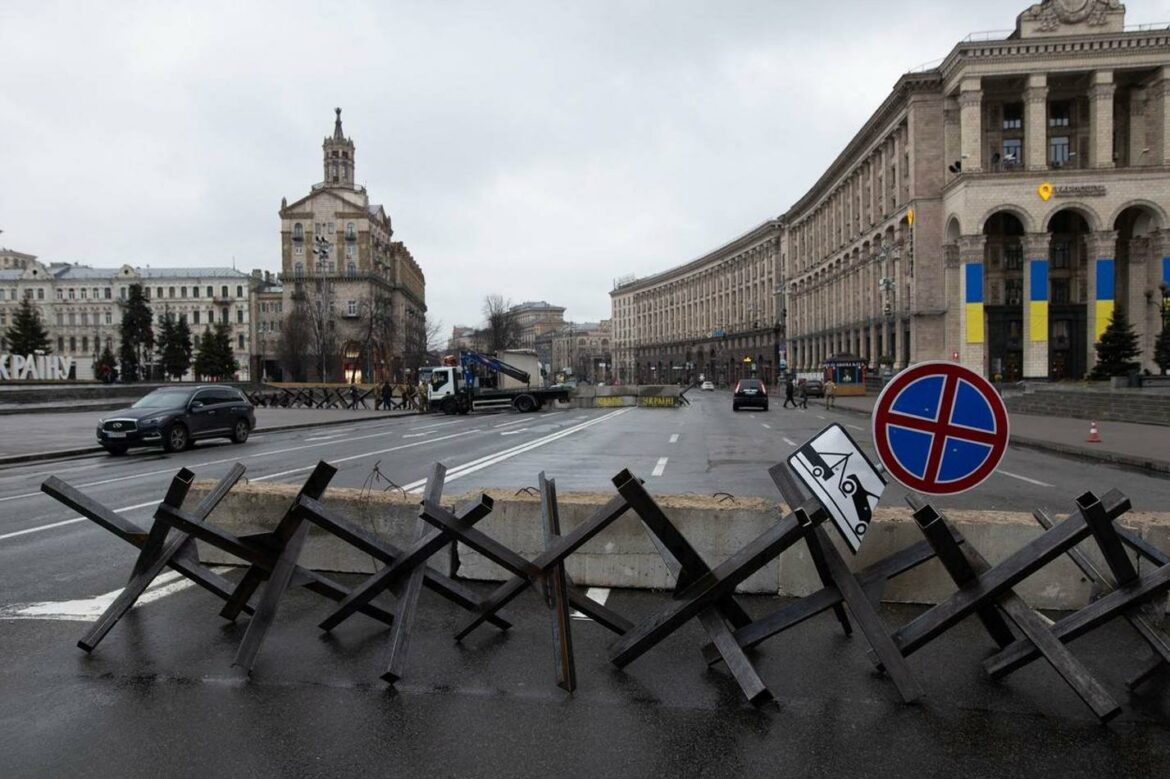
x=1146, y=447
x=53, y=436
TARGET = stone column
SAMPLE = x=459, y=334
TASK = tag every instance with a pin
x=1101, y=119
x=1036, y=298
x=1136, y=280
x=1036, y=123
x=971, y=124
x=1101, y=294
x=1138, y=148
x=972, y=324
x=952, y=135
x=1161, y=153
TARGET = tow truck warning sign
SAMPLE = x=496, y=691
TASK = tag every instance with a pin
x=839, y=474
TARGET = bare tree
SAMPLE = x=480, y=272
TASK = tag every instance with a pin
x=313, y=305
x=377, y=335
x=501, y=327
x=433, y=337
x=295, y=342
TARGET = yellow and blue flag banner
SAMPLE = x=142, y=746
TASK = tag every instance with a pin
x=1105, y=296
x=1038, y=300
x=974, y=302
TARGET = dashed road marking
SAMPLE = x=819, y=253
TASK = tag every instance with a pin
x=674, y=438
x=789, y=441
x=1010, y=475
x=509, y=424
x=766, y=425
x=660, y=468
x=515, y=432
x=596, y=594
x=855, y=427
x=89, y=609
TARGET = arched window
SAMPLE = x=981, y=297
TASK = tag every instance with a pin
x=298, y=232
x=350, y=232
x=351, y=268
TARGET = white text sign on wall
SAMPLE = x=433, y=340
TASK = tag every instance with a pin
x=16, y=367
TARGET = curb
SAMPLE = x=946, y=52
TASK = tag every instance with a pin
x=61, y=409
x=65, y=454
x=1112, y=458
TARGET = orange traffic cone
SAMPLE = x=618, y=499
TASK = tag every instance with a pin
x=1094, y=434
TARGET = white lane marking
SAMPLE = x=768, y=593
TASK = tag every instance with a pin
x=416, y=435
x=855, y=427
x=515, y=432
x=766, y=425
x=324, y=437
x=660, y=468
x=400, y=447
x=440, y=424
x=64, y=522
x=596, y=594
x=147, y=474
x=789, y=441
x=674, y=438
x=819, y=416
x=513, y=424
x=492, y=459
x=89, y=609
x=1002, y=472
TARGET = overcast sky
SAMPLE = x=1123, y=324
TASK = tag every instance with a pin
x=537, y=150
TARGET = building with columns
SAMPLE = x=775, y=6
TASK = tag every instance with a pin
x=717, y=316
x=995, y=209
x=362, y=292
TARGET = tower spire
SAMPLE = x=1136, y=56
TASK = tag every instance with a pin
x=338, y=156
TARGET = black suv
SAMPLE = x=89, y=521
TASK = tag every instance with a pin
x=750, y=392
x=174, y=417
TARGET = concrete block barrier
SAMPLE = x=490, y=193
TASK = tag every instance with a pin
x=623, y=556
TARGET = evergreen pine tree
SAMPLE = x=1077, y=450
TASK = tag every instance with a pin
x=106, y=364
x=1162, y=349
x=1117, y=348
x=181, y=355
x=137, y=334
x=174, y=346
x=205, y=358
x=162, y=341
x=27, y=334
x=224, y=354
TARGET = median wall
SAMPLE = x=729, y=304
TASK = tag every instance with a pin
x=645, y=396
x=623, y=556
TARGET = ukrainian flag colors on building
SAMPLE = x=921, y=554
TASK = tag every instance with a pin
x=1038, y=300
x=974, y=298
x=1105, y=296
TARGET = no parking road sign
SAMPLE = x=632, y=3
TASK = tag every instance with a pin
x=847, y=484
x=940, y=429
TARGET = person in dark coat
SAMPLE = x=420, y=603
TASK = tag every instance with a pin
x=387, y=396
x=802, y=394
x=789, y=391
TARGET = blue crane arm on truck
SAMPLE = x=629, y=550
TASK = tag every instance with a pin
x=467, y=358
x=453, y=389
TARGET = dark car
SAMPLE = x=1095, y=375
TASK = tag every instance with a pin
x=750, y=392
x=814, y=388
x=175, y=417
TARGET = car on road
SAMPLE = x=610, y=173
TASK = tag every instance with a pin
x=707, y=386
x=750, y=392
x=175, y=417
x=814, y=388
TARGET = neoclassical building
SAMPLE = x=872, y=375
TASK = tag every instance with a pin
x=339, y=259
x=717, y=316
x=995, y=209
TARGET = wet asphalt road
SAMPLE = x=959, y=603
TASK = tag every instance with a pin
x=160, y=698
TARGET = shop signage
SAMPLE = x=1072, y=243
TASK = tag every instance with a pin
x=17, y=367
x=1080, y=190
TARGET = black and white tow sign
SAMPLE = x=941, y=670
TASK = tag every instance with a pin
x=839, y=474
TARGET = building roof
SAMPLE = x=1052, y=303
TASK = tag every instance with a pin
x=86, y=273
x=11, y=275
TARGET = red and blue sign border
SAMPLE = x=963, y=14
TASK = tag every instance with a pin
x=942, y=428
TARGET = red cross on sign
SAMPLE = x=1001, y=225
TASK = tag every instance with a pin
x=940, y=428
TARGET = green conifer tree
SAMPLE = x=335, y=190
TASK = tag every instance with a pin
x=27, y=334
x=1117, y=348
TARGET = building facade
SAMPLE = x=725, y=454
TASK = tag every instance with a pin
x=81, y=306
x=994, y=210
x=359, y=292
x=718, y=316
x=581, y=351
x=536, y=318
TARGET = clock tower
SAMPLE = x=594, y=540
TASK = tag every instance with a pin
x=338, y=157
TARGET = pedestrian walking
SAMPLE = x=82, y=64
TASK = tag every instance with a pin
x=802, y=394
x=789, y=391
x=387, y=396
x=830, y=393
x=423, y=402
x=353, y=395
